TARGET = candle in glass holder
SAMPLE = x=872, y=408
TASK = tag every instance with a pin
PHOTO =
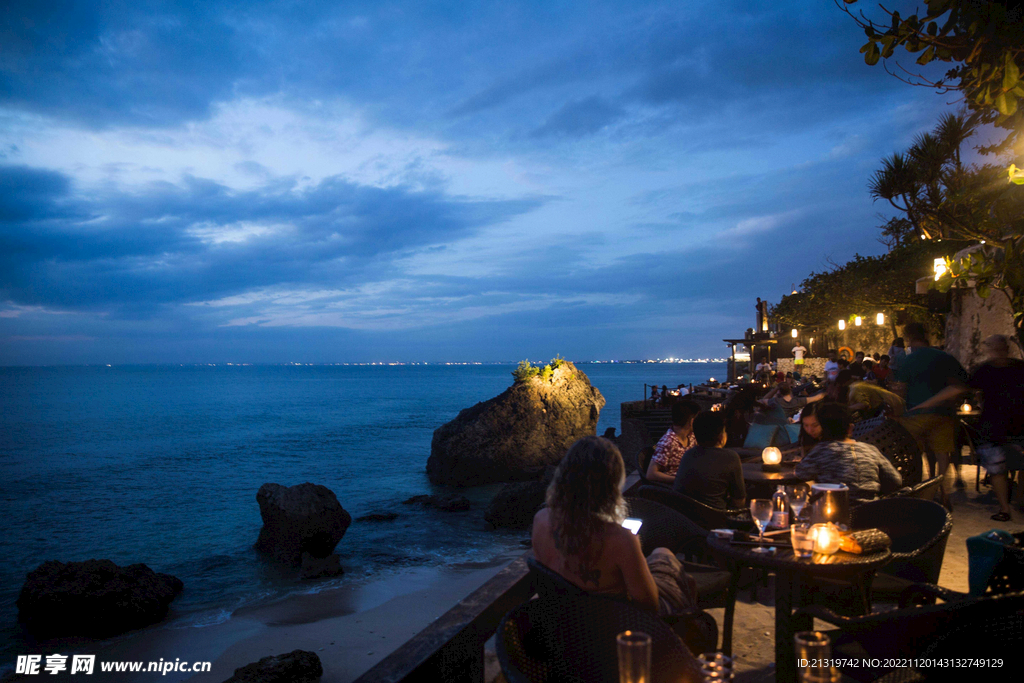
x=826, y=538
x=966, y=407
x=771, y=456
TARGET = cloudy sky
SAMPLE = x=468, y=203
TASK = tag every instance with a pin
x=329, y=182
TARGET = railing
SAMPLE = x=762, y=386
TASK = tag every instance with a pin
x=452, y=648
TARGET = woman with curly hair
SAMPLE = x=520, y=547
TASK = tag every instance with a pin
x=580, y=535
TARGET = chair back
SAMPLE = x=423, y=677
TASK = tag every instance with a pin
x=702, y=514
x=555, y=639
x=899, y=446
x=643, y=461
x=664, y=527
x=919, y=530
x=550, y=584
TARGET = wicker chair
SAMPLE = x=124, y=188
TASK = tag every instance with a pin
x=919, y=530
x=643, y=460
x=704, y=515
x=664, y=527
x=553, y=639
x=899, y=446
x=975, y=628
x=1007, y=577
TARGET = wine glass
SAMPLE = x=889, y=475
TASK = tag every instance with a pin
x=761, y=510
x=797, y=499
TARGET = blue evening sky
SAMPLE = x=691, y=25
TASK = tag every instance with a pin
x=328, y=182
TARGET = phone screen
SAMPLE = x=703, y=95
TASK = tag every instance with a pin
x=632, y=524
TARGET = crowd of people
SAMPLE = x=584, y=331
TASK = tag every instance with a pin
x=914, y=383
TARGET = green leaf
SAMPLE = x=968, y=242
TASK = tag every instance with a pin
x=1006, y=104
x=871, y=58
x=984, y=291
x=1011, y=74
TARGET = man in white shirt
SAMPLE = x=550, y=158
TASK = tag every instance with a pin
x=798, y=355
x=831, y=366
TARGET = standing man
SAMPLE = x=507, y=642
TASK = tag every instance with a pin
x=934, y=380
x=677, y=440
x=799, y=351
x=1001, y=425
x=832, y=366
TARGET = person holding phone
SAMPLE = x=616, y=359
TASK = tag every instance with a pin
x=580, y=535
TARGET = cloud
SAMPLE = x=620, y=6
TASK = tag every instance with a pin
x=173, y=243
x=579, y=118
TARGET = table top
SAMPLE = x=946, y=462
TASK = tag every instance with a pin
x=783, y=559
x=752, y=472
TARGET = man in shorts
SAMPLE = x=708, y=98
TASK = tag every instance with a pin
x=799, y=351
x=934, y=381
x=1001, y=425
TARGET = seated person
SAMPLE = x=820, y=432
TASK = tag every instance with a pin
x=810, y=429
x=789, y=404
x=580, y=535
x=838, y=459
x=671, y=447
x=708, y=472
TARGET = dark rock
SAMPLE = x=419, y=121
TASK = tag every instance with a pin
x=514, y=436
x=378, y=517
x=514, y=506
x=451, y=502
x=321, y=567
x=95, y=598
x=298, y=666
x=296, y=519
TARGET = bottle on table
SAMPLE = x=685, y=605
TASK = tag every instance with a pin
x=780, y=508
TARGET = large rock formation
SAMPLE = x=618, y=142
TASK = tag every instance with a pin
x=514, y=436
x=514, y=506
x=296, y=519
x=298, y=666
x=95, y=598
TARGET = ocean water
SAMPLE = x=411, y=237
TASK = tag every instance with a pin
x=161, y=464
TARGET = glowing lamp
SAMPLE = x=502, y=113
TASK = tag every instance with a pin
x=966, y=407
x=771, y=458
x=857, y=321
x=939, y=266
x=794, y=333
x=880, y=319
x=842, y=324
x=826, y=538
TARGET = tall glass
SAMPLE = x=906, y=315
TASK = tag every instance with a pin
x=802, y=540
x=634, y=657
x=813, y=654
x=761, y=510
x=797, y=499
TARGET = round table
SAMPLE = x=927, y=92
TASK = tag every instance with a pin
x=761, y=484
x=790, y=574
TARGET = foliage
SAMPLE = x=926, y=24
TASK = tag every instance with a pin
x=527, y=371
x=864, y=286
x=982, y=40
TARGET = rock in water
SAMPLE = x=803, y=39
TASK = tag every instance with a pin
x=298, y=666
x=321, y=567
x=95, y=598
x=514, y=506
x=296, y=519
x=514, y=436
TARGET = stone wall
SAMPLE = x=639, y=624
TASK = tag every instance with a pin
x=972, y=319
x=812, y=366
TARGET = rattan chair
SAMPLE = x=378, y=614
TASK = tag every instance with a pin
x=555, y=639
x=704, y=515
x=899, y=446
x=919, y=530
x=987, y=627
x=664, y=527
x=1007, y=577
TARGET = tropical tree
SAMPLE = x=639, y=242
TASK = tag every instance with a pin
x=982, y=40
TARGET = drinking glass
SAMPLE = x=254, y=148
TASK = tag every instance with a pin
x=634, y=657
x=761, y=510
x=813, y=651
x=797, y=498
x=715, y=667
x=803, y=542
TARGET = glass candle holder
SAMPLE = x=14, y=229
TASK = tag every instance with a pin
x=826, y=538
x=634, y=657
x=715, y=667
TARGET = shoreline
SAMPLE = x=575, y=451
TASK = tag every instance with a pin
x=350, y=627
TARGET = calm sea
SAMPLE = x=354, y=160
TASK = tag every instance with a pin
x=161, y=464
